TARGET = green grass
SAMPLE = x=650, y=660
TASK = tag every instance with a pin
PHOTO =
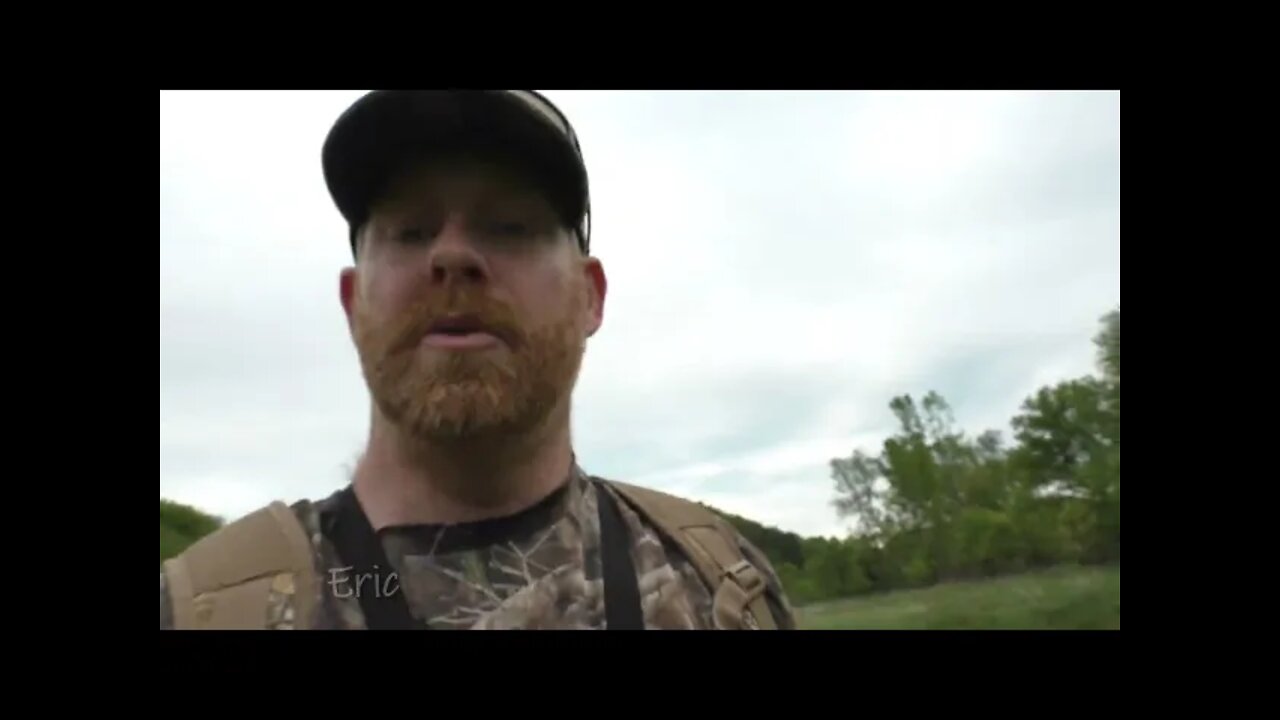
x=1061, y=598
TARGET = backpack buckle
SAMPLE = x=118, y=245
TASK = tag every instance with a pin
x=742, y=583
x=747, y=577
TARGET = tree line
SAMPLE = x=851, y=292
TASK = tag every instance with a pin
x=935, y=504
x=181, y=525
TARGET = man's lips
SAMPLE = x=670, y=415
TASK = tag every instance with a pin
x=461, y=332
x=469, y=341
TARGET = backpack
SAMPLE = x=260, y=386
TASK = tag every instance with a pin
x=225, y=580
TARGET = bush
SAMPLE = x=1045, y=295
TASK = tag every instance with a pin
x=181, y=525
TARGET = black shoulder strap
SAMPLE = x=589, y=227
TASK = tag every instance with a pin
x=359, y=546
x=621, y=590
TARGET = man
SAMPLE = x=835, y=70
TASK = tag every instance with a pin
x=470, y=302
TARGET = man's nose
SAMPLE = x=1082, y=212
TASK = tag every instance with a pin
x=455, y=259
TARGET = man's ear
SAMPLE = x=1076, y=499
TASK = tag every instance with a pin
x=597, y=288
x=347, y=281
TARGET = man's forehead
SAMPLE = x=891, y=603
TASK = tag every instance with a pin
x=459, y=175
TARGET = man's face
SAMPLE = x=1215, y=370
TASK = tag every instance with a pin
x=470, y=305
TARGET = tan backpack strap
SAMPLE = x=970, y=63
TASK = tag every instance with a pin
x=710, y=543
x=181, y=593
x=227, y=579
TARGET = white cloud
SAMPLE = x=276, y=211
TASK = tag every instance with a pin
x=780, y=266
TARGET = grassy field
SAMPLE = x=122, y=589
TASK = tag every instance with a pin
x=1062, y=598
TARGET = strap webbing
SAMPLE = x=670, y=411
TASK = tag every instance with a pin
x=621, y=590
x=358, y=545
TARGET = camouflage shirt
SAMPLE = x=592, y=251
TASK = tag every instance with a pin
x=538, y=569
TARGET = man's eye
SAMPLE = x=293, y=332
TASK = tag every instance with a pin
x=509, y=228
x=412, y=235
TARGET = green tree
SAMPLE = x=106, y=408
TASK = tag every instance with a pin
x=1069, y=448
x=181, y=525
x=1108, y=344
x=833, y=569
x=934, y=503
x=926, y=478
x=801, y=588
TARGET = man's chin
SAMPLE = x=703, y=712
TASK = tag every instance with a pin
x=458, y=411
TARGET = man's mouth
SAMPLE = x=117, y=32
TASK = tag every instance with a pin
x=460, y=332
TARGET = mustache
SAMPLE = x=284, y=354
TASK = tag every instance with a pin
x=494, y=315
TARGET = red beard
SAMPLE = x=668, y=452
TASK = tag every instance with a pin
x=439, y=396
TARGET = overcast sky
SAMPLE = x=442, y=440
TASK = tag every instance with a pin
x=780, y=264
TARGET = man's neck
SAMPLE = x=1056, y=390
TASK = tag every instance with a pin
x=402, y=481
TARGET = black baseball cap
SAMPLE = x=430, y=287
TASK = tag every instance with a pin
x=385, y=131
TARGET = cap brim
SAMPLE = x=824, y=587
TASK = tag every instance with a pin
x=385, y=132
